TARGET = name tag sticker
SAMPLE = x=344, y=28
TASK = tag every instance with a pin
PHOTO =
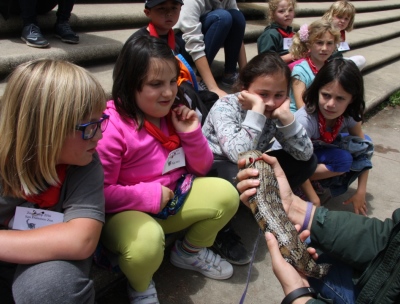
x=344, y=46
x=30, y=218
x=287, y=42
x=176, y=159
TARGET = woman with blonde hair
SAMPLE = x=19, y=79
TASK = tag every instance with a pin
x=51, y=182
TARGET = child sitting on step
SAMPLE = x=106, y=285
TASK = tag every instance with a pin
x=277, y=37
x=207, y=26
x=341, y=14
x=313, y=43
x=154, y=157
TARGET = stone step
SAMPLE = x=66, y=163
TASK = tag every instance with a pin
x=103, y=46
x=378, y=57
x=130, y=15
x=367, y=34
x=103, y=31
x=318, y=8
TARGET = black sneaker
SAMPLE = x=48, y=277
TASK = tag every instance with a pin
x=229, y=81
x=65, y=33
x=202, y=86
x=229, y=246
x=32, y=36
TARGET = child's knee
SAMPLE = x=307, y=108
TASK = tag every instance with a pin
x=336, y=160
x=229, y=199
x=224, y=20
x=53, y=282
x=238, y=18
x=147, y=243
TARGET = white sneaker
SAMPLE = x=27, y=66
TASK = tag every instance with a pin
x=206, y=262
x=148, y=296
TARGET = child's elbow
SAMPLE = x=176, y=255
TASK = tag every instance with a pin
x=85, y=248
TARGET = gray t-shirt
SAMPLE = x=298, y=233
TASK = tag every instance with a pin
x=310, y=123
x=82, y=195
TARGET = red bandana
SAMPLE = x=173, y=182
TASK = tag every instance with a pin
x=50, y=197
x=170, y=143
x=171, y=35
x=342, y=35
x=285, y=34
x=326, y=136
x=312, y=65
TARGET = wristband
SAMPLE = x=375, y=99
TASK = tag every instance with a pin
x=298, y=293
x=308, y=216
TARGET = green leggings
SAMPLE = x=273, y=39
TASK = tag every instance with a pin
x=138, y=238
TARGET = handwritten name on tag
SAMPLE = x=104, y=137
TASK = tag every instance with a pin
x=30, y=218
x=176, y=159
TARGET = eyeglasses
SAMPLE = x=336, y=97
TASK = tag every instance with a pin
x=89, y=129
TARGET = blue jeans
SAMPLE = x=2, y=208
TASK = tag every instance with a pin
x=337, y=285
x=223, y=28
x=30, y=9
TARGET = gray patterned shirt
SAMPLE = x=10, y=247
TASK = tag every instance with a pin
x=230, y=130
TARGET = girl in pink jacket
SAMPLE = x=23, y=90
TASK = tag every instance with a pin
x=154, y=155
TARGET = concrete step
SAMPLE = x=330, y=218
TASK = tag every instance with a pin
x=100, y=46
x=378, y=57
x=366, y=31
x=105, y=45
x=318, y=8
x=130, y=15
x=103, y=31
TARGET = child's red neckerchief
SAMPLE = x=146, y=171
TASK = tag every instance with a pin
x=327, y=136
x=312, y=65
x=50, y=197
x=170, y=142
x=171, y=35
x=343, y=35
x=284, y=34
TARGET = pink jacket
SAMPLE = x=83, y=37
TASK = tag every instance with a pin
x=133, y=162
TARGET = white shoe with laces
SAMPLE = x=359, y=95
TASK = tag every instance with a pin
x=148, y=296
x=206, y=262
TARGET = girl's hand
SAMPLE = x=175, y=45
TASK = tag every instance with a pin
x=251, y=101
x=359, y=203
x=282, y=113
x=166, y=195
x=184, y=119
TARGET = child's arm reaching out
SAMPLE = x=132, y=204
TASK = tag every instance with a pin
x=358, y=199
